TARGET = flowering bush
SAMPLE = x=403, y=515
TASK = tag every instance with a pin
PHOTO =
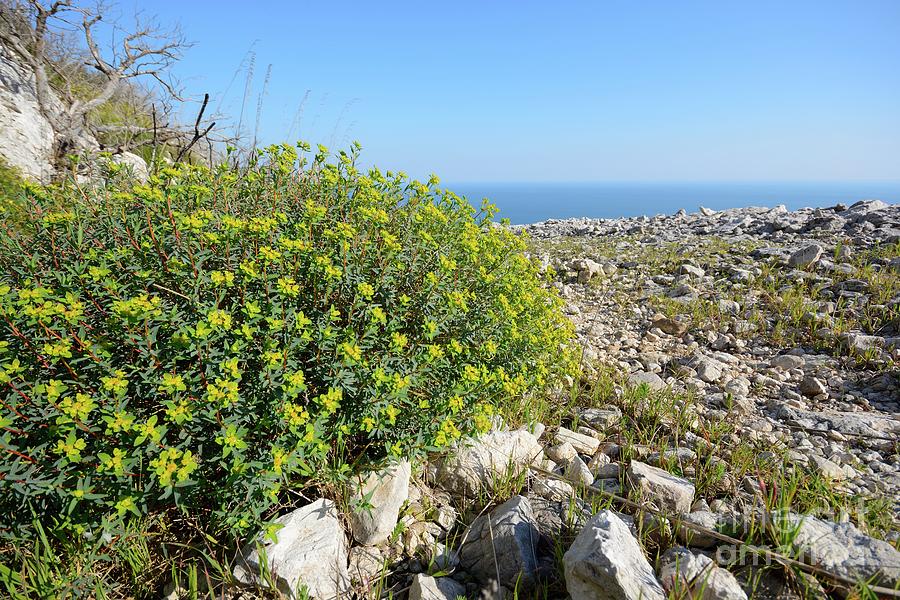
x=213, y=336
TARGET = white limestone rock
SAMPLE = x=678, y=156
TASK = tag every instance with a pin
x=503, y=544
x=606, y=562
x=478, y=465
x=844, y=550
x=430, y=588
x=582, y=443
x=670, y=492
x=378, y=500
x=311, y=551
x=681, y=571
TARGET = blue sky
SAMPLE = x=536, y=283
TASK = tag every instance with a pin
x=565, y=91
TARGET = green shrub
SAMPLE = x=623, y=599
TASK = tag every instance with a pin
x=213, y=337
x=12, y=185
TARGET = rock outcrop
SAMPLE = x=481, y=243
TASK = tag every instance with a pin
x=26, y=137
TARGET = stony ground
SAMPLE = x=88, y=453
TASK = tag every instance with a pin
x=741, y=380
x=786, y=324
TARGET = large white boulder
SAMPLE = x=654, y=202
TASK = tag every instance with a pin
x=503, y=545
x=843, y=549
x=136, y=165
x=310, y=552
x=605, y=562
x=377, y=499
x=685, y=574
x=671, y=493
x=479, y=464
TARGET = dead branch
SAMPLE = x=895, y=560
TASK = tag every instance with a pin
x=197, y=134
x=146, y=52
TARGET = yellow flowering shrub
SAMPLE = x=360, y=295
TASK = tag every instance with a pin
x=215, y=336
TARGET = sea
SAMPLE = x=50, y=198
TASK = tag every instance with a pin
x=525, y=203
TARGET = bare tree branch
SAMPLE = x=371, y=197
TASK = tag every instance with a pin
x=197, y=134
x=144, y=53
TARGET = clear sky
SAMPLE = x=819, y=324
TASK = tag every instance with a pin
x=563, y=91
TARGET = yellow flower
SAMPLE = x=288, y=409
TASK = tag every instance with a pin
x=222, y=391
x=392, y=412
x=269, y=254
x=177, y=412
x=292, y=244
x=273, y=357
x=429, y=328
x=458, y=300
x=230, y=367
x=114, y=463
x=390, y=241
x=172, y=383
x=71, y=447
x=248, y=268
x=231, y=439
x=117, y=384
x=252, y=308
x=365, y=290
x=61, y=349
x=225, y=278
x=148, y=430
x=398, y=341
x=165, y=465
x=54, y=389
x=9, y=370
x=97, y=273
x=120, y=421
x=314, y=211
x=377, y=314
x=288, y=286
x=456, y=403
x=295, y=414
x=278, y=457
x=440, y=439
x=351, y=351
x=450, y=429
x=219, y=319
x=482, y=423
x=188, y=466
x=294, y=383
x=368, y=424
x=471, y=374
x=138, y=308
x=78, y=408
x=331, y=399
x=124, y=505
x=202, y=330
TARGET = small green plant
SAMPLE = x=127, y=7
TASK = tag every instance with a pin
x=214, y=337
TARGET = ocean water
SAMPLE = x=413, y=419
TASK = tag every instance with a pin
x=532, y=202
